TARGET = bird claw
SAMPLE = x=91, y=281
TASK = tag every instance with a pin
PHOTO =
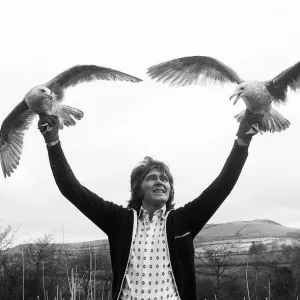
x=47, y=129
x=254, y=129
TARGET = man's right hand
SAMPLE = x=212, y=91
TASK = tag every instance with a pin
x=48, y=125
x=245, y=125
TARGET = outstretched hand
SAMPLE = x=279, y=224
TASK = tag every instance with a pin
x=245, y=126
x=48, y=125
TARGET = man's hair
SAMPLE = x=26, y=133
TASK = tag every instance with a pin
x=137, y=176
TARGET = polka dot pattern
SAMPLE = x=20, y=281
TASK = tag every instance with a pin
x=149, y=275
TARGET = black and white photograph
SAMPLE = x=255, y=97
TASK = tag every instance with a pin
x=150, y=150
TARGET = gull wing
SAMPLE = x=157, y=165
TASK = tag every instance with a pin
x=85, y=73
x=12, y=133
x=192, y=70
x=287, y=78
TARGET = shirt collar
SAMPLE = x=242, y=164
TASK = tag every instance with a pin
x=161, y=212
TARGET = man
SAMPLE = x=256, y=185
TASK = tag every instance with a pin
x=151, y=243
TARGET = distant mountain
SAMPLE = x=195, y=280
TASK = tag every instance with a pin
x=245, y=230
x=74, y=248
x=240, y=232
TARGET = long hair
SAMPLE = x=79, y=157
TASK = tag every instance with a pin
x=137, y=176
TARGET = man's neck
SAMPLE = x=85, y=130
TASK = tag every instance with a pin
x=152, y=208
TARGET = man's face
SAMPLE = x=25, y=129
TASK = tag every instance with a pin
x=155, y=188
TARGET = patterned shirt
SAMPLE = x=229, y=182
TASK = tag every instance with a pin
x=149, y=274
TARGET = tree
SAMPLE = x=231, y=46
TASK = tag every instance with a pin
x=291, y=255
x=11, y=276
x=269, y=262
x=219, y=264
x=93, y=271
x=43, y=261
x=283, y=282
x=205, y=288
x=6, y=238
x=256, y=251
x=9, y=271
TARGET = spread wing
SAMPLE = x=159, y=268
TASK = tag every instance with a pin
x=194, y=69
x=85, y=73
x=287, y=78
x=12, y=132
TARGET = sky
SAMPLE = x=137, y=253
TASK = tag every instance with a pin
x=192, y=129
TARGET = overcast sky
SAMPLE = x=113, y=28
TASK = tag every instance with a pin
x=192, y=129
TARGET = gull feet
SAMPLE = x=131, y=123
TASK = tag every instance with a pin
x=47, y=128
x=254, y=129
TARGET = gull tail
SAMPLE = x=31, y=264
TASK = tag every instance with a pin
x=67, y=115
x=272, y=121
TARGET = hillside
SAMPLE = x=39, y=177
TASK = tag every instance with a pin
x=75, y=248
x=245, y=229
x=239, y=234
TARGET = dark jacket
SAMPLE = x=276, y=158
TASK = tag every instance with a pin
x=119, y=223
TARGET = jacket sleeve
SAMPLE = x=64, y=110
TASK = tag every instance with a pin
x=99, y=211
x=200, y=210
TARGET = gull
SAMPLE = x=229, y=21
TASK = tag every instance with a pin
x=257, y=95
x=47, y=99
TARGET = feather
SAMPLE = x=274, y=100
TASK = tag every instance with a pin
x=14, y=155
x=6, y=164
x=287, y=78
x=66, y=114
x=240, y=116
x=273, y=121
x=272, y=126
x=16, y=146
x=85, y=73
x=68, y=110
x=9, y=161
x=18, y=139
x=69, y=121
x=194, y=69
x=2, y=164
x=11, y=136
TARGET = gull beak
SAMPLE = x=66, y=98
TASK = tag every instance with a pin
x=50, y=96
x=238, y=95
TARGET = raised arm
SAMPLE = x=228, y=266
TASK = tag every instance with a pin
x=99, y=211
x=200, y=210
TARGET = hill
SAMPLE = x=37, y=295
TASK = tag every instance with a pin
x=239, y=235
x=245, y=229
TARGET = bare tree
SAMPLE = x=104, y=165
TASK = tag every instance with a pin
x=94, y=271
x=6, y=237
x=219, y=264
x=43, y=261
x=291, y=255
x=10, y=276
x=269, y=262
x=256, y=251
x=9, y=272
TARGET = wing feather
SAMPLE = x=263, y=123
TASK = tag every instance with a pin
x=192, y=70
x=287, y=78
x=2, y=165
x=13, y=157
x=14, y=152
x=11, y=137
x=85, y=73
x=17, y=147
